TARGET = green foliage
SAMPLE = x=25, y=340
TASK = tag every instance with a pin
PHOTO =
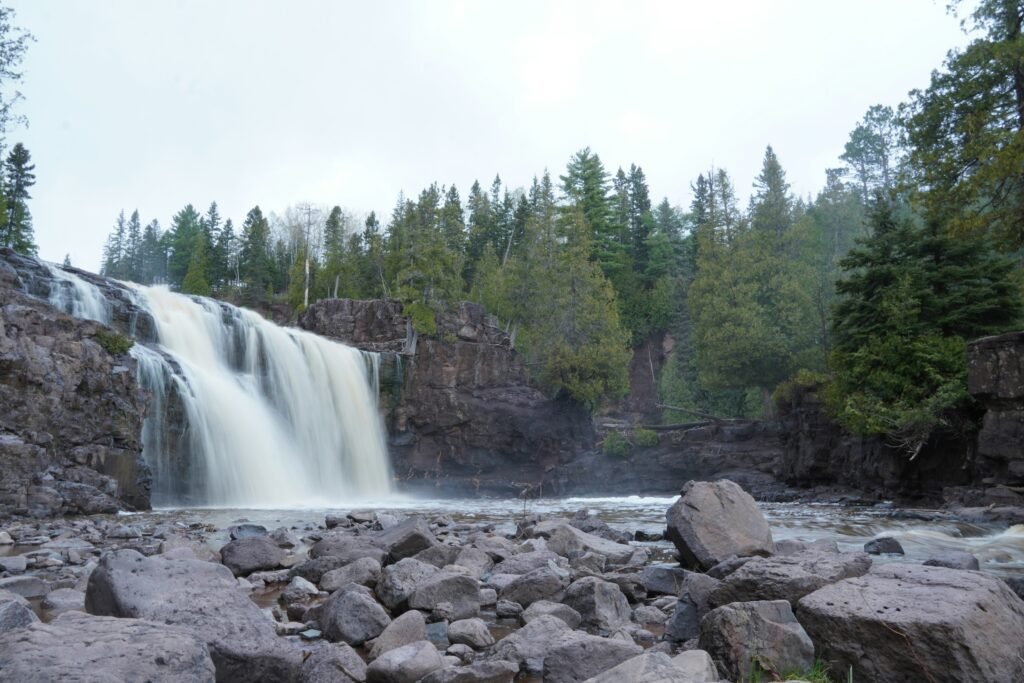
x=645, y=438
x=803, y=379
x=615, y=445
x=424, y=321
x=113, y=343
x=195, y=281
x=16, y=220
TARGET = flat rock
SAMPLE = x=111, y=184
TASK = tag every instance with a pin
x=662, y=579
x=249, y=554
x=523, y=563
x=81, y=647
x=952, y=621
x=346, y=548
x=712, y=521
x=567, y=540
x=789, y=577
x=26, y=586
x=765, y=633
x=953, y=559
x=64, y=600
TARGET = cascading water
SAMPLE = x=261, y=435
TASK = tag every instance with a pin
x=244, y=413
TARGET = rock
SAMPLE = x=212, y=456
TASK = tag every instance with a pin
x=584, y=656
x=953, y=559
x=249, y=554
x=488, y=596
x=461, y=592
x=600, y=603
x=525, y=563
x=498, y=671
x=81, y=647
x=405, y=664
x=346, y=548
x=528, y=646
x=352, y=616
x=471, y=632
x=476, y=561
x=399, y=580
x=64, y=600
x=555, y=609
x=694, y=602
x=26, y=586
x=883, y=545
x=247, y=531
x=314, y=570
x=630, y=584
x=726, y=567
x=567, y=540
x=590, y=563
x=506, y=609
x=540, y=584
x=662, y=579
x=743, y=635
x=646, y=614
x=712, y=521
x=697, y=666
x=298, y=590
x=5, y=538
x=946, y=618
x=333, y=663
x=365, y=571
x=789, y=577
x=332, y=521
x=650, y=667
x=284, y=538
x=202, y=597
x=15, y=612
x=409, y=627
x=406, y=539
x=14, y=564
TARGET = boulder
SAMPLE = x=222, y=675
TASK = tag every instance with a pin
x=903, y=622
x=600, y=603
x=365, y=571
x=399, y=580
x=314, y=570
x=885, y=545
x=746, y=636
x=697, y=666
x=528, y=646
x=405, y=664
x=475, y=560
x=712, y=521
x=524, y=563
x=582, y=656
x=471, y=632
x=540, y=584
x=201, y=597
x=406, y=539
x=285, y=538
x=409, y=627
x=953, y=559
x=15, y=612
x=64, y=600
x=650, y=667
x=568, y=541
x=346, y=548
x=333, y=663
x=498, y=671
x=646, y=614
x=250, y=554
x=298, y=589
x=352, y=616
x=460, y=592
x=81, y=647
x=631, y=585
x=555, y=609
x=662, y=579
x=27, y=586
x=246, y=531
x=789, y=577
x=694, y=602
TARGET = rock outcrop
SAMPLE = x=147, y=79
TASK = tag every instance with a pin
x=995, y=377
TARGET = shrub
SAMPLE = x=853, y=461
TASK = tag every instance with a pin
x=113, y=343
x=422, y=316
x=615, y=444
x=645, y=438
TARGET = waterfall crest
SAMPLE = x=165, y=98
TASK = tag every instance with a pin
x=244, y=413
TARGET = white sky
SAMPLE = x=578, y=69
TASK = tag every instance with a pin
x=154, y=104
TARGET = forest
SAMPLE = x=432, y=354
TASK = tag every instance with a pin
x=870, y=289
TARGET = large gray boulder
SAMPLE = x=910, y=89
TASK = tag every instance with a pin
x=333, y=663
x=544, y=583
x=475, y=560
x=406, y=538
x=528, y=646
x=409, y=627
x=250, y=554
x=763, y=634
x=600, y=603
x=365, y=571
x=406, y=664
x=15, y=612
x=457, y=595
x=346, y=548
x=498, y=671
x=201, y=597
x=582, y=656
x=650, y=667
x=352, y=616
x=662, y=579
x=568, y=541
x=81, y=647
x=790, y=577
x=713, y=520
x=903, y=622
x=523, y=563
x=555, y=609
x=471, y=632
x=398, y=581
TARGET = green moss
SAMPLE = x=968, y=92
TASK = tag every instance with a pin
x=113, y=343
x=422, y=316
x=645, y=438
x=616, y=445
x=803, y=379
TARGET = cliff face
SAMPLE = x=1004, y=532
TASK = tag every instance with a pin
x=995, y=377
x=462, y=415
x=70, y=411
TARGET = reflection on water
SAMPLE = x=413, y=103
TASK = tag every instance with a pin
x=999, y=549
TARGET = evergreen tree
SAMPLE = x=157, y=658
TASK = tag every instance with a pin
x=186, y=225
x=154, y=258
x=195, y=281
x=14, y=43
x=67, y=261
x=114, y=251
x=133, y=249
x=256, y=265
x=227, y=255
x=771, y=207
x=873, y=152
x=16, y=231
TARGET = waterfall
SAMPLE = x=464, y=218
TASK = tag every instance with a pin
x=75, y=296
x=244, y=413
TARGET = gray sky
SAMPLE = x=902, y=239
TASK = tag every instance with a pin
x=154, y=104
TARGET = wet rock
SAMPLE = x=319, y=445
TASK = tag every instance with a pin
x=333, y=663
x=583, y=656
x=528, y=646
x=250, y=554
x=712, y=521
x=246, y=531
x=762, y=633
x=78, y=646
x=15, y=612
x=650, y=667
x=409, y=627
x=471, y=632
x=584, y=521
x=399, y=580
x=406, y=664
x=540, y=584
x=365, y=571
x=662, y=579
x=555, y=609
x=946, y=618
x=352, y=616
x=202, y=597
x=461, y=592
x=697, y=666
x=789, y=577
x=600, y=603
x=27, y=586
x=886, y=545
x=953, y=559
x=525, y=563
x=406, y=539
x=478, y=672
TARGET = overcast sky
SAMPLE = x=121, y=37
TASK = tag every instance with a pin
x=155, y=104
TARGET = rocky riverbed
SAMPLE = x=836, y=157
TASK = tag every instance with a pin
x=393, y=597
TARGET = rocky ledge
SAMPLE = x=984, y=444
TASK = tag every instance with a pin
x=375, y=597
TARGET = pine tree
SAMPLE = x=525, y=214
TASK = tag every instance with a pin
x=114, y=251
x=256, y=264
x=154, y=258
x=132, y=269
x=195, y=281
x=771, y=207
x=16, y=231
x=186, y=225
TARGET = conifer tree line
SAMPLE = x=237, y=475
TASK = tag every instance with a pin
x=17, y=172
x=872, y=286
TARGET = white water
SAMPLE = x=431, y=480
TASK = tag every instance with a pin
x=76, y=297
